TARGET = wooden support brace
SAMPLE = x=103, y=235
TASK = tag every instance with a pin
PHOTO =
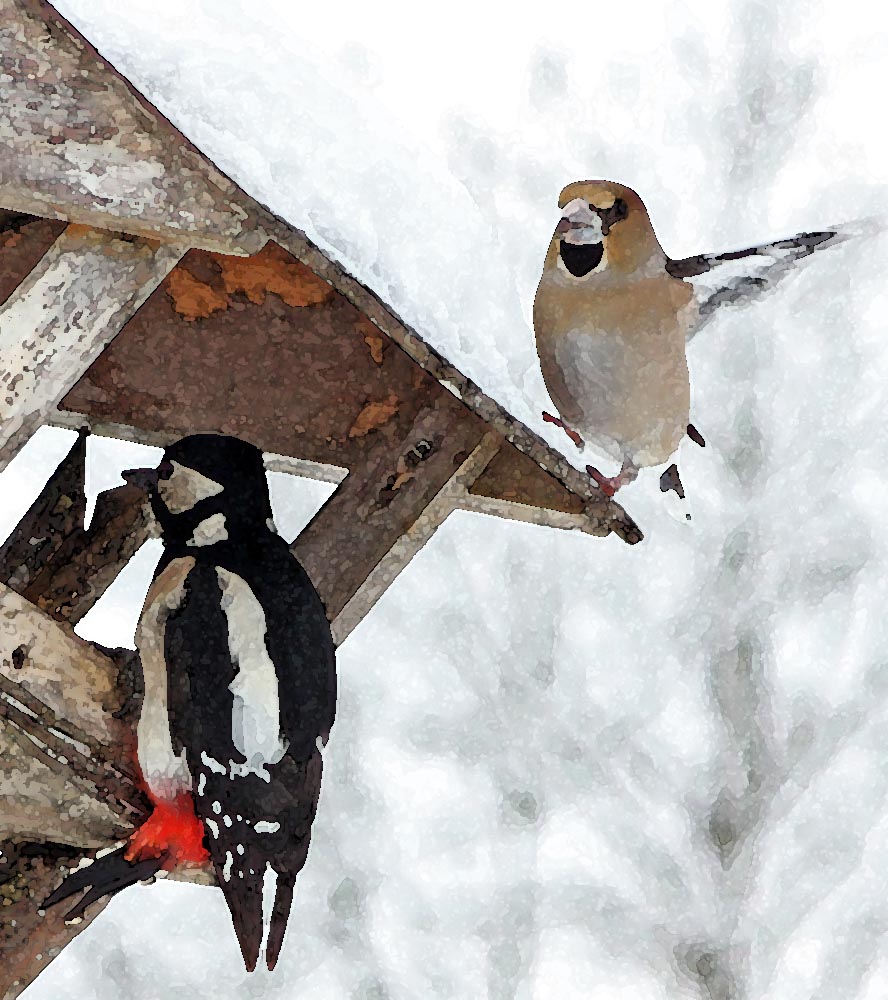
x=380, y=502
x=64, y=778
x=62, y=315
x=56, y=563
x=55, y=514
x=383, y=574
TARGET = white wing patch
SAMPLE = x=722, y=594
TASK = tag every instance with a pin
x=255, y=714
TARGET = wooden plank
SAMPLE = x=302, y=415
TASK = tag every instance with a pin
x=30, y=939
x=514, y=477
x=377, y=504
x=88, y=561
x=58, y=320
x=284, y=362
x=65, y=752
x=53, y=560
x=56, y=513
x=384, y=573
x=24, y=239
x=81, y=144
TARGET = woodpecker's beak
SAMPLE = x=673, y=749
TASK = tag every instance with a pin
x=147, y=479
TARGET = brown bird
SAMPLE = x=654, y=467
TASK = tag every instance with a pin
x=612, y=316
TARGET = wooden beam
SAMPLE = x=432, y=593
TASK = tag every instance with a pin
x=56, y=513
x=62, y=315
x=88, y=560
x=605, y=512
x=30, y=939
x=380, y=502
x=81, y=144
x=292, y=466
x=64, y=762
x=383, y=574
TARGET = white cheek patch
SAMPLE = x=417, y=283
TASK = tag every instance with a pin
x=185, y=488
x=255, y=714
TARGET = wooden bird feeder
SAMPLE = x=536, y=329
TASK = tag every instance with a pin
x=145, y=296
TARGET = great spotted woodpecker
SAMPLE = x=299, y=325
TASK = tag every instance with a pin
x=239, y=693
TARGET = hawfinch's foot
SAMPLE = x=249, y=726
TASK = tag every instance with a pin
x=610, y=484
x=572, y=434
x=696, y=436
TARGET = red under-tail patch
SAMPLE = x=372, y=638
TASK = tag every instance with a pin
x=172, y=832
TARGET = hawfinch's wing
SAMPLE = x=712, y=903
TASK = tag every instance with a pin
x=721, y=279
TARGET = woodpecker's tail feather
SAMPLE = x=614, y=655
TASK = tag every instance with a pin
x=283, y=900
x=241, y=882
x=106, y=876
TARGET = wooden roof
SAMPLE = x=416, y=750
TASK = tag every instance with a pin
x=92, y=151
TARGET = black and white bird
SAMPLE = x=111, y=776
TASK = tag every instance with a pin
x=239, y=693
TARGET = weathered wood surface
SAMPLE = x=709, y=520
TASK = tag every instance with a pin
x=380, y=502
x=89, y=559
x=29, y=938
x=57, y=512
x=381, y=575
x=273, y=340
x=52, y=560
x=604, y=515
x=81, y=144
x=66, y=753
x=56, y=323
x=24, y=239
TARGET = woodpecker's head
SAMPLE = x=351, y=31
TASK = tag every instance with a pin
x=604, y=229
x=207, y=487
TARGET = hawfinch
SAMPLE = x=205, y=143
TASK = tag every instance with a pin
x=613, y=313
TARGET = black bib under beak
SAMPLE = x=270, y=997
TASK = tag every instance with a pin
x=581, y=258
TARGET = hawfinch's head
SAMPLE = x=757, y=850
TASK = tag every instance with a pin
x=604, y=227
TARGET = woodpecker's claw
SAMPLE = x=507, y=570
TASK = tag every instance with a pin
x=106, y=876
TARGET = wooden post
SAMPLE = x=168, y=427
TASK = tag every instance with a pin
x=56, y=563
x=62, y=315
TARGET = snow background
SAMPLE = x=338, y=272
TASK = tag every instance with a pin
x=563, y=766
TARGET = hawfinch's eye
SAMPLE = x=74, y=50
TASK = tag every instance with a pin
x=620, y=210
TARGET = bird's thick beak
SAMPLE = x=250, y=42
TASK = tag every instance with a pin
x=145, y=479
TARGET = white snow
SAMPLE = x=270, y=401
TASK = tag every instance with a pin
x=563, y=766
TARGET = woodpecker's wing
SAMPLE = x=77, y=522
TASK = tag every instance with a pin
x=252, y=687
x=740, y=275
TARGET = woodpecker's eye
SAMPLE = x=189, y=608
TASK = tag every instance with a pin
x=165, y=469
